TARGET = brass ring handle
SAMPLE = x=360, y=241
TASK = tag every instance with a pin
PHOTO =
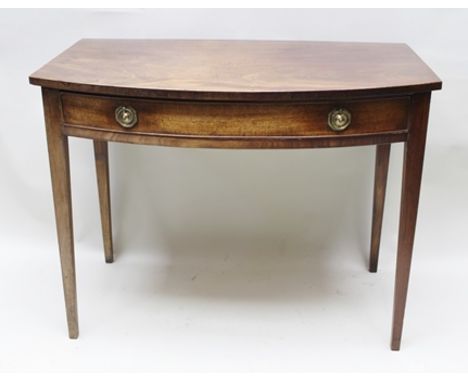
x=339, y=119
x=126, y=116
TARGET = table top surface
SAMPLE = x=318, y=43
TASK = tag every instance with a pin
x=237, y=70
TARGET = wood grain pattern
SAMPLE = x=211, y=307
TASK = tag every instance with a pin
x=60, y=173
x=101, y=156
x=237, y=70
x=227, y=142
x=382, y=159
x=234, y=119
x=412, y=173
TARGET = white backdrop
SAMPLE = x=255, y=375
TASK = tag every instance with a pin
x=231, y=260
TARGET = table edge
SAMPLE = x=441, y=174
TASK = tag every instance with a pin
x=280, y=96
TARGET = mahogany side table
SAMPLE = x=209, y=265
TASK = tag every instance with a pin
x=238, y=95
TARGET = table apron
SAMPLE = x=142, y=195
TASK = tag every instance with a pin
x=235, y=125
x=236, y=142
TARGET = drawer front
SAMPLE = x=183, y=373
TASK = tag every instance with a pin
x=153, y=117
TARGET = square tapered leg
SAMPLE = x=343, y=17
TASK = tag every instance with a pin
x=412, y=173
x=382, y=157
x=60, y=174
x=101, y=155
